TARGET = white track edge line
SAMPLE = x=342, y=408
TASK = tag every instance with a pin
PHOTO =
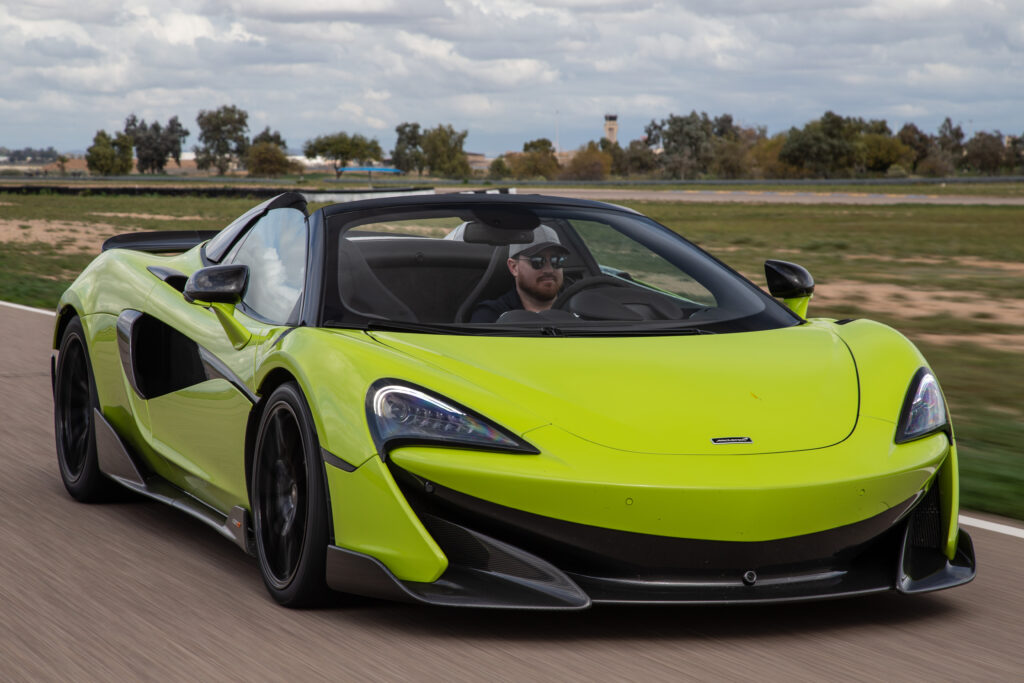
x=27, y=308
x=969, y=521
x=992, y=526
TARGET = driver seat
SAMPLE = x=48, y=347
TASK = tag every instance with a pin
x=495, y=281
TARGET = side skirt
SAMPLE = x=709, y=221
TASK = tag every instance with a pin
x=117, y=463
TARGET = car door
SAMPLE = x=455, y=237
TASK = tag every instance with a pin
x=201, y=427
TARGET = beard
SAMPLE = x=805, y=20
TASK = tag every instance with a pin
x=544, y=288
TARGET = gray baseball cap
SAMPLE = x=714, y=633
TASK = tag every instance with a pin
x=543, y=237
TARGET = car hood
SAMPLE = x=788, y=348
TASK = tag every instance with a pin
x=787, y=389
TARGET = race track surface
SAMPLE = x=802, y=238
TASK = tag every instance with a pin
x=138, y=591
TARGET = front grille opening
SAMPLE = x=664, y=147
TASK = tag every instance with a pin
x=463, y=548
x=600, y=552
x=926, y=521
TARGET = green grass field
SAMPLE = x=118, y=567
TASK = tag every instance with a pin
x=950, y=277
x=979, y=187
x=937, y=188
x=920, y=245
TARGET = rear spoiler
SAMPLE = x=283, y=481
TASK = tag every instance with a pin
x=159, y=241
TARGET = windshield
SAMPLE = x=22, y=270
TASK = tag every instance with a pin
x=514, y=269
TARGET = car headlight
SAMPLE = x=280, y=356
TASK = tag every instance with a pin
x=400, y=414
x=924, y=408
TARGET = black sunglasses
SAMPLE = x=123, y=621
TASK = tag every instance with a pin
x=537, y=262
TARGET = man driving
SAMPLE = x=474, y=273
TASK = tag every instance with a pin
x=537, y=271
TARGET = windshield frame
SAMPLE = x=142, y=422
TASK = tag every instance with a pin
x=335, y=222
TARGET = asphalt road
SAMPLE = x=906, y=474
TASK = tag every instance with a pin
x=138, y=591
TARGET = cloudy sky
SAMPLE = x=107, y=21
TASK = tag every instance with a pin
x=505, y=70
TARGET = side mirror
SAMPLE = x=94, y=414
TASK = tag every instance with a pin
x=790, y=282
x=220, y=288
x=217, y=284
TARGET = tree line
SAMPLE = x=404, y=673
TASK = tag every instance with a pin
x=693, y=146
x=697, y=146
x=224, y=142
x=29, y=154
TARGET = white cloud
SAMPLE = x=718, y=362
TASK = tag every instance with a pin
x=502, y=68
x=938, y=74
x=906, y=9
x=23, y=29
x=312, y=8
x=238, y=34
x=908, y=111
x=355, y=113
x=475, y=105
x=178, y=28
x=508, y=72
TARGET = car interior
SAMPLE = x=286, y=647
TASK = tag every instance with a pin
x=439, y=275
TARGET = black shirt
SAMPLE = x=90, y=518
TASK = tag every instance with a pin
x=489, y=311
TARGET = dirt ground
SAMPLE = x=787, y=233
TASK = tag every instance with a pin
x=68, y=236
x=757, y=196
x=1010, y=343
x=74, y=236
x=146, y=216
x=966, y=261
x=902, y=301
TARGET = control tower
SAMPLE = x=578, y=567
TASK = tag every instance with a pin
x=611, y=127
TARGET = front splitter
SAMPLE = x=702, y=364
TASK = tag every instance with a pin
x=505, y=577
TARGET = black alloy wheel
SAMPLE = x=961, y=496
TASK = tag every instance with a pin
x=74, y=399
x=288, y=501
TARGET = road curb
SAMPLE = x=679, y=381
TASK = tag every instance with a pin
x=19, y=307
x=1004, y=529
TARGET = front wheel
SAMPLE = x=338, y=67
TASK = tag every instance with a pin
x=74, y=423
x=288, y=501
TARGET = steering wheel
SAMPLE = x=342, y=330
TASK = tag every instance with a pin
x=590, y=282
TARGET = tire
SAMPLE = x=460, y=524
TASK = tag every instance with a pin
x=74, y=427
x=288, y=501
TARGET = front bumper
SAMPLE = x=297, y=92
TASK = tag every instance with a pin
x=505, y=558
x=581, y=523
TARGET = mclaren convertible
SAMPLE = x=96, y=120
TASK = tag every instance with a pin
x=322, y=389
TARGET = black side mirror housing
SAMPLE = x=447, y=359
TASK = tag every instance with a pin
x=788, y=280
x=217, y=284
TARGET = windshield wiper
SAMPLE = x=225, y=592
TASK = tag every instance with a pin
x=633, y=332
x=427, y=328
x=397, y=326
x=528, y=330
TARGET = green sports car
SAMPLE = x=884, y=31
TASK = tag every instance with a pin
x=504, y=401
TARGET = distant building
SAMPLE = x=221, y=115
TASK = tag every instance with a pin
x=611, y=131
x=478, y=161
x=611, y=127
x=565, y=156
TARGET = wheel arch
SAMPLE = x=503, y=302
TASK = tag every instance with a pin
x=273, y=380
x=64, y=316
